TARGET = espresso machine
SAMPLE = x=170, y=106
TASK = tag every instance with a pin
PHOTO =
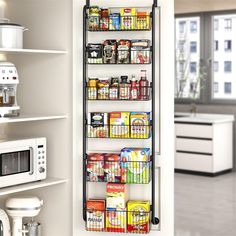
x=8, y=87
x=21, y=207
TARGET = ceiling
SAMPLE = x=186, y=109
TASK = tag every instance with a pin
x=185, y=6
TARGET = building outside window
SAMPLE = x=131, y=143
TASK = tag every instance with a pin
x=228, y=88
x=181, y=45
x=181, y=67
x=216, y=24
x=193, y=67
x=228, y=45
x=193, y=26
x=193, y=47
x=216, y=45
x=216, y=87
x=216, y=66
x=228, y=66
x=182, y=25
x=228, y=24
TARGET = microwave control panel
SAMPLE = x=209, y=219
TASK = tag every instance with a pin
x=41, y=158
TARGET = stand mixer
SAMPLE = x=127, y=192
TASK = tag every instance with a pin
x=17, y=208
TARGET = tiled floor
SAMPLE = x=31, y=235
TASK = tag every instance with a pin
x=205, y=206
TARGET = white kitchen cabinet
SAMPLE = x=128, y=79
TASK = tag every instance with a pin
x=204, y=144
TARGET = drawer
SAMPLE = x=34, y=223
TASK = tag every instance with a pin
x=194, y=162
x=192, y=130
x=194, y=145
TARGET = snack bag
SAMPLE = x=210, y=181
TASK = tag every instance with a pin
x=95, y=167
x=119, y=125
x=116, y=221
x=140, y=125
x=95, y=215
x=112, y=168
x=138, y=216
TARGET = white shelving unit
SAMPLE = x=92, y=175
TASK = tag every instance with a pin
x=31, y=51
x=30, y=186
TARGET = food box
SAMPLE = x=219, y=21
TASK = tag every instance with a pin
x=135, y=165
x=95, y=53
x=116, y=221
x=114, y=22
x=140, y=51
x=112, y=168
x=123, y=51
x=109, y=51
x=116, y=195
x=95, y=215
x=104, y=20
x=103, y=89
x=119, y=125
x=95, y=167
x=143, y=21
x=140, y=125
x=128, y=18
x=93, y=21
x=138, y=216
x=98, y=125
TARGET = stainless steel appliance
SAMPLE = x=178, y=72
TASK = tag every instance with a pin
x=8, y=88
x=22, y=161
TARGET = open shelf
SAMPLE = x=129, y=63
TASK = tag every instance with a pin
x=30, y=186
x=31, y=51
x=30, y=117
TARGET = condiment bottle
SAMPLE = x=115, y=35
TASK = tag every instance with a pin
x=143, y=86
x=114, y=89
x=92, y=88
x=124, y=88
x=133, y=89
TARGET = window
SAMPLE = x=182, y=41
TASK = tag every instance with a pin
x=182, y=25
x=228, y=45
x=228, y=88
x=193, y=47
x=228, y=66
x=216, y=24
x=193, y=26
x=193, y=67
x=216, y=45
x=228, y=24
x=216, y=66
x=187, y=57
x=216, y=87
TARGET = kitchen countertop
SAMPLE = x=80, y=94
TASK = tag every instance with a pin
x=203, y=118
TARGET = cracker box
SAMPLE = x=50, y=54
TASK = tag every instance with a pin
x=95, y=167
x=128, y=18
x=95, y=215
x=112, y=168
x=115, y=196
x=138, y=216
x=119, y=125
x=140, y=52
x=116, y=221
x=140, y=125
x=98, y=125
x=135, y=165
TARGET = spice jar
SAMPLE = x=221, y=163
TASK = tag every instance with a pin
x=92, y=89
x=114, y=89
x=103, y=89
x=124, y=88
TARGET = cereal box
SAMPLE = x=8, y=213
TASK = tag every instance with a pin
x=95, y=215
x=112, y=168
x=116, y=221
x=138, y=216
x=135, y=165
x=115, y=196
x=98, y=125
x=95, y=167
x=140, y=125
x=119, y=124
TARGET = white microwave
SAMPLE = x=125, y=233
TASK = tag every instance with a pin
x=22, y=161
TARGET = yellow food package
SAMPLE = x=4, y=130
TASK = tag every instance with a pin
x=119, y=125
x=128, y=18
x=116, y=220
x=138, y=216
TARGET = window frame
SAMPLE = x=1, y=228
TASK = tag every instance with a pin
x=206, y=55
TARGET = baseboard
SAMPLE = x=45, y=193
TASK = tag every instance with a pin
x=208, y=174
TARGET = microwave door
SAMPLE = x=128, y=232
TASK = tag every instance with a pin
x=16, y=162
